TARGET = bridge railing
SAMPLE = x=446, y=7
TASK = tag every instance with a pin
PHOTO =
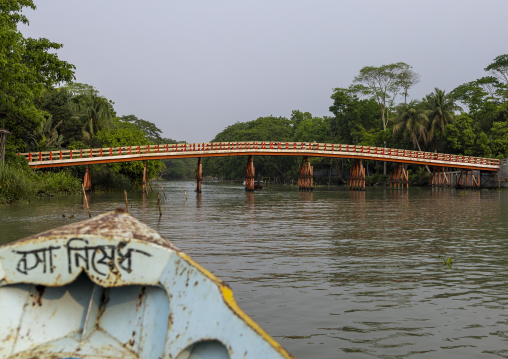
x=303, y=148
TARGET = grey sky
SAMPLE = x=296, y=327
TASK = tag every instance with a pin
x=195, y=67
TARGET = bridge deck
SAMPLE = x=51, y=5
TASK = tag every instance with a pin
x=259, y=148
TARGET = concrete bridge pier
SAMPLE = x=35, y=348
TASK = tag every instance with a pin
x=399, y=177
x=199, y=175
x=250, y=174
x=357, y=176
x=87, y=181
x=306, y=175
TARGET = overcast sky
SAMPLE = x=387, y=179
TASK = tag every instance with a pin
x=195, y=67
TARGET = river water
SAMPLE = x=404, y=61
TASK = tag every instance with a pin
x=334, y=273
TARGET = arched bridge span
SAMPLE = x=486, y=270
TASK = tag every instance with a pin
x=254, y=148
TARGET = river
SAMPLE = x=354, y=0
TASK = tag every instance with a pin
x=334, y=273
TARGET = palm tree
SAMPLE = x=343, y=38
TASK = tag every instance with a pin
x=99, y=114
x=440, y=109
x=97, y=111
x=412, y=122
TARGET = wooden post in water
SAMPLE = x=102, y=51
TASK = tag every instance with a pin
x=399, y=177
x=86, y=202
x=199, y=175
x=126, y=201
x=144, y=179
x=357, y=176
x=87, y=181
x=250, y=174
x=467, y=179
x=438, y=177
x=163, y=192
x=306, y=175
x=159, y=204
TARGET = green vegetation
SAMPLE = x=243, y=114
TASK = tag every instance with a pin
x=447, y=262
x=471, y=120
x=45, y=110
x=21, y=183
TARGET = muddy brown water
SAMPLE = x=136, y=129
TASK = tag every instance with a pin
x=334, y=273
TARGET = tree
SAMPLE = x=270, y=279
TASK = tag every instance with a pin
x=27, y=68
x=57, y=103
x=352, y=117
x=313, y=129
x=124, y=137
x=500, y=139
x=384, y=84
x=463, y=137
x=298, y=116
x=471, y=94
x=152, y=132
x=412, y=122
x=97, y=112
x=262, y=129
x=408, y=78
x=499, y=68
x=440, y=109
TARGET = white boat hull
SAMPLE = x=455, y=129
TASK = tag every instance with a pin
x=111, y=287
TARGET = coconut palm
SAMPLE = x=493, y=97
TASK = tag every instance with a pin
x=412, y=122
x=97, y=111
x=440, y=109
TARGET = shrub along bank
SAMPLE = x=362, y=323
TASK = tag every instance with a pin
x=20, y=183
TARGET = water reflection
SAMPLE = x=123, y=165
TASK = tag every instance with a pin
x=199, y=200
x=249, y=200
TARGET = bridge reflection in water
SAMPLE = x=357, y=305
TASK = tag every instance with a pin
x=398, y=177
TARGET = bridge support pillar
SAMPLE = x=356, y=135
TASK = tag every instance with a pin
x=399, y=177
x=144, y=179
x=306, y=175
x=199, y=175
x=439, y=178
x=467, y=179
x=250, y=174
x=87, y=181
x=357, y=176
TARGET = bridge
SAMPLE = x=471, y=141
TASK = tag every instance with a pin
x=398, y=177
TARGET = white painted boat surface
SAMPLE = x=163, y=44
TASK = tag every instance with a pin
x=111, y=287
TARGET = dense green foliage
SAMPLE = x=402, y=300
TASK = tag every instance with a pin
x=45, y=110
x=28, y=68
x=21, y=183
x=470, y=120
x=42, y=115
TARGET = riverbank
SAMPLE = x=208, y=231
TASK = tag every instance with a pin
x=20, y=183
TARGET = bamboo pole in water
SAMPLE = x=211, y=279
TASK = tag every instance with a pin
x=86, y=201
x=126, y=201
x=159, y=203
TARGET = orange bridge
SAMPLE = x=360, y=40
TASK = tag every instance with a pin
x=398, y=177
